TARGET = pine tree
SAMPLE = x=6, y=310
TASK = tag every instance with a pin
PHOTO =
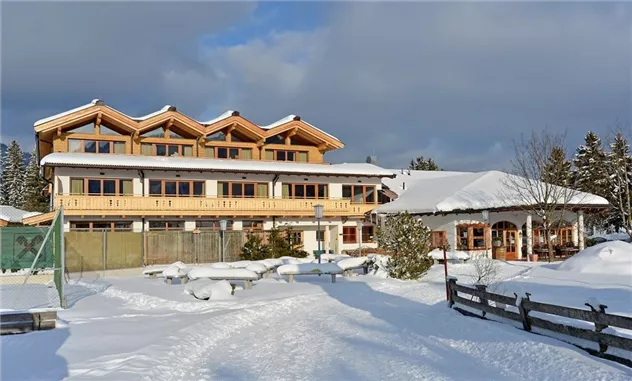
x=557, y=169
x=407, y=240
x=619, y=164
x=592, y=176
x=35, y=199
x=422, y=164
x=13, y=177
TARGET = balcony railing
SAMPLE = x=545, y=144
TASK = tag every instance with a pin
x=205, y=206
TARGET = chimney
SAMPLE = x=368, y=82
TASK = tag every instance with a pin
x=371, y=159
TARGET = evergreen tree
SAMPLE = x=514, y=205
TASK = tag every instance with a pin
x=407, y=240
x=557, y=169
x=254, y=249
x=619, y=163
x=35, y=199
x=592, y=176
x=13, y=177
x=422, y=164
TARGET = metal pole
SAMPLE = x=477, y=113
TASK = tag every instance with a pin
x=222, y=243
x=317, y=239
x=445, y=270
x=360, y=239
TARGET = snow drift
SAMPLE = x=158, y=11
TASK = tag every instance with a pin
x=213, y=290
x=451, y=255
x=613, y=258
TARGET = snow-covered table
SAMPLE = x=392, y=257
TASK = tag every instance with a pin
x=310, y=269
x=245, y=275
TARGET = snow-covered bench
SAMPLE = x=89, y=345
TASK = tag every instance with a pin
x=310, y=269
x=154, y=271
x=178, y=271
x=244, y=275
x=349, y=264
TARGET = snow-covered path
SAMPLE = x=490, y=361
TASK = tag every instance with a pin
x=363, y=328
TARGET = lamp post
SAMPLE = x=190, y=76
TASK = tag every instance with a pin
x=318, y=213
x=222, y=227
x=360, y=224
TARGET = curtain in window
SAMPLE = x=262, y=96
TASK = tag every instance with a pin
x=126, y=187
x=209, y=152
x=187, y=150
x=146, y=149
x=74, y=145
x=269, y=155
x=119, y=147
x=246, y=154
x=286, y=191
x=76, y=186
x=302, y=157
x=220, y=190
x=262, y=190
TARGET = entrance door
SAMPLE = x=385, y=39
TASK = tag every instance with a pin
x=510, y=244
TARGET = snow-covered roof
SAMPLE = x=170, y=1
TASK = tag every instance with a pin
x=11, y=214
x=53, y=117
x=213, y=165
x=225, y=115
x=404, y=179
x=290, y=118
x=139, y=118
x=465, y=191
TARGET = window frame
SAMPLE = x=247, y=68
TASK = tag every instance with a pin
x=292, y=191
x=214, y=224
x=97, y=142
x=370, y=238
x=165, y=223
x=117, y=184
x=216, y=148
x=91, y=228
x=286, y=151
x=243, y=188
x=167, y=145
x=364, y=187
x=439, y=239
x=349, y=234
x=470, y=237
x=177, y=181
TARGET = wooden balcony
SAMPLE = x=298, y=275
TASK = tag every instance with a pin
x=81, y=205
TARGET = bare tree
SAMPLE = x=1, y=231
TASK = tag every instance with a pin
x=531, y=183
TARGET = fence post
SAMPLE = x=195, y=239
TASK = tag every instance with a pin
x=524, y=313
x=599, y=326
x=451, y=283
x=483, y=301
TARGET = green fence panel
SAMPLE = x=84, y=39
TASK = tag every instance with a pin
x=19, y=247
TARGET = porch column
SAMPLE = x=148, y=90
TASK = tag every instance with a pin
x=529, y=235
x=325, y=238
x=580, y=229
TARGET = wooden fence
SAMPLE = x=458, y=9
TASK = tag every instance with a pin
x=479, y=299
x=192, y=247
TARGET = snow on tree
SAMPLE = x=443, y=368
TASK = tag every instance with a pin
x=422, y=164
x=557, y=168
x=35, y=199
x=592, y=175
x=254, y=249
x=13, y=177
x=619, y=164
x=407, y=240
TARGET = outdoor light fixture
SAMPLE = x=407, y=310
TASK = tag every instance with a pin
x=318, y=213
x=360, y=224
x=485, y=214
x=222, y=227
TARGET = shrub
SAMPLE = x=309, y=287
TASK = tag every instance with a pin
x=254, y=249
x=407, y=240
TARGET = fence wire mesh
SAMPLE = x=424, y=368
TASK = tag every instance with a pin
x=31, y=263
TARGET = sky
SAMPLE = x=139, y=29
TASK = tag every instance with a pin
x=458, y=82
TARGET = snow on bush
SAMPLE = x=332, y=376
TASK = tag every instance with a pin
x=613, y=258
x=209, y=290
x=258, y=267
x=211, y=272
x=309, y=268
x=451, y=255
x=351, y=263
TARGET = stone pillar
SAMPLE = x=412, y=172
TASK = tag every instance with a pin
x=529, y=235
x=580, y=229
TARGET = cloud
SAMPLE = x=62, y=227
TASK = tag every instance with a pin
x=455, y=81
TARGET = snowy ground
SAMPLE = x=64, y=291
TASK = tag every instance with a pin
x=363, y=328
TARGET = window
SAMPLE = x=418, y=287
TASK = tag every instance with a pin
x=349, y=234
x=250, y=225
x=216, y=137
x=85, y=129
x=309, y=191
x=101, y=226
x=242, y=190
x=359, y=194
x=320, y=235
x=228, y=153
x=160, y=149
x=276, y=139
x=472, y=237
x=101, y=187
x=176, y=188
x=166, y=225
x=439, y=239
x=368, y=233
x=295, y=237
x=286, y=155
x=212, y=225
x=95, y=146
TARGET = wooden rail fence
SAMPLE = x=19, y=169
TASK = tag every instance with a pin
x=596, y=315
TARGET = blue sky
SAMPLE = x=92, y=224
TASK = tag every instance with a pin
x=454, y=81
